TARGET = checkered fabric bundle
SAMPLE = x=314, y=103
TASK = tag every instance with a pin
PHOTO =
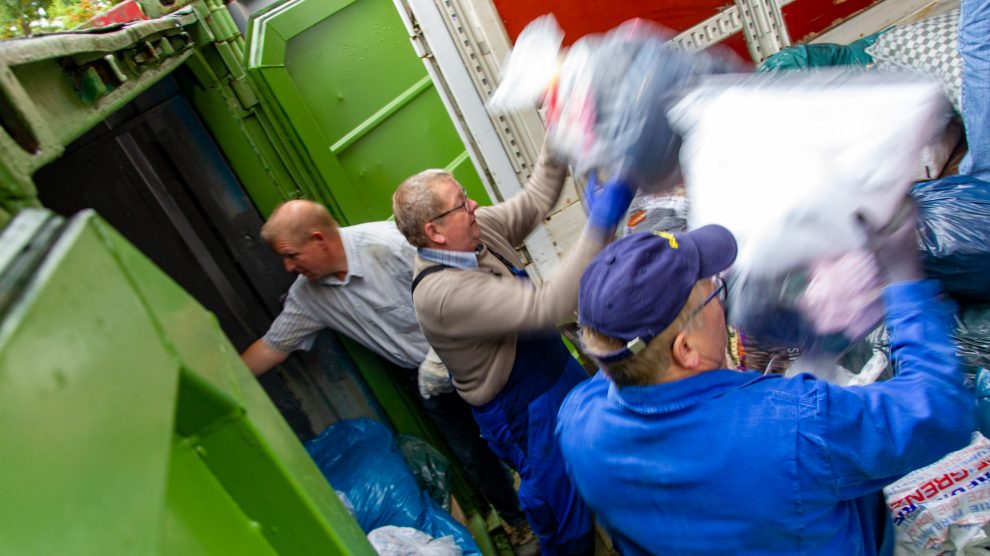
x=928, y=47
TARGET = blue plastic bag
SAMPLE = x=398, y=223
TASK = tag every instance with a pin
x=954, y=225
x=359, y=457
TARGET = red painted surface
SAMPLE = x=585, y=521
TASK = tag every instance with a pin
x=804, y=18
x=809, y=18
x=125, y=12
x=578, y=18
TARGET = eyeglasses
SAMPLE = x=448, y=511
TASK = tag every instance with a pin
x=721, y=292
x=463, y=205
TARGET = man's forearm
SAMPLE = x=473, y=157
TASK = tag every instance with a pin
x=259, y=357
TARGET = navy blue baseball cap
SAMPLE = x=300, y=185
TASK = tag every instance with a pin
x=635, y=288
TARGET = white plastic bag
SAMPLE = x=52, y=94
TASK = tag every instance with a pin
x=530, y=67
x=406, y=541
x=944, y=508
x=786, y=162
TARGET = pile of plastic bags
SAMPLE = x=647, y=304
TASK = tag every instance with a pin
x=362, y=462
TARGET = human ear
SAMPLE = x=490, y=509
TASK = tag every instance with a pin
x=684, y=353
x=433, y=234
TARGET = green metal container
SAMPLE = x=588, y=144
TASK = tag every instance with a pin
x=129, y=424
x=347, y=81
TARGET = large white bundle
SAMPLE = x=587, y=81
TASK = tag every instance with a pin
x=786, y=161
x=789, y=163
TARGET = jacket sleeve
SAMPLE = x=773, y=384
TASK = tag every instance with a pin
x=517, y=217
x=872, y=435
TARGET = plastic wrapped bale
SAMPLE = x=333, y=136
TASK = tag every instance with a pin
x=606, y=96
x=430, y=467
x=796, y=200
x=941, y=508
x=360, y=458
x=954, y=224
x=806, y=56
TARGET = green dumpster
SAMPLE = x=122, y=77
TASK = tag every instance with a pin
x=128, y=423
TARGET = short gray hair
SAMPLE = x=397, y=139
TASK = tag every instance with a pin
x=414, y=203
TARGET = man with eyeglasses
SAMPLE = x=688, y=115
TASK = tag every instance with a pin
x=677, y=454
x=495, y=329
x=355, y=280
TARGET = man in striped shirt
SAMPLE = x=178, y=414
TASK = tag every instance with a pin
x=356, y=281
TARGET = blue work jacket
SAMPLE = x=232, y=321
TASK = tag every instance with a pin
x=729, y=462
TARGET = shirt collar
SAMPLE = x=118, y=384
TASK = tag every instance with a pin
x=355, y=261
x=456, y=259
x=677, y=395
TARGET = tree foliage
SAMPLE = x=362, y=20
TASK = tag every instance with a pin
x=23, y=18
x=17, y=15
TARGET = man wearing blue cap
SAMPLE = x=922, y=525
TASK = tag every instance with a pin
x=678, y=455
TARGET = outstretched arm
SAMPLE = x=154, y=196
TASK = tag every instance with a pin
x=517, y=217
x=259, y=357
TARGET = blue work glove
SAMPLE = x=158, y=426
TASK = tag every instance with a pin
x=607, y=203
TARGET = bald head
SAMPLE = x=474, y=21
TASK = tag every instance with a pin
x=295, y=221
x=306, y=238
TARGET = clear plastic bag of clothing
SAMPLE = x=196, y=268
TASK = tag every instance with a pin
x=606, y=96
x=431, y=468
x=360, y=459
x=982, y=391
x=954, y=222
x=791, y=164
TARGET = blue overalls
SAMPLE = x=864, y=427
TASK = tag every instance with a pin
x=519, y=426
